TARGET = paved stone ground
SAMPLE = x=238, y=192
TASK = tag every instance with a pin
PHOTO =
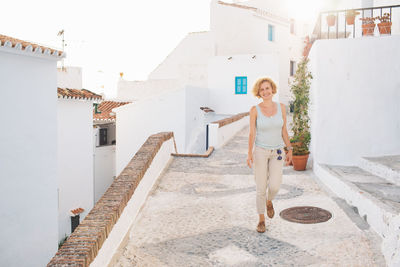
x=202, y=213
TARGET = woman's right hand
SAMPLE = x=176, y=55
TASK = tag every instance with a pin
x=250, y=160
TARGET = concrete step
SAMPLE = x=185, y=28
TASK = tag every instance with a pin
x=376, y=200
x=387, y=167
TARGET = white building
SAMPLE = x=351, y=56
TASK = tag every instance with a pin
x=104, y=127
x=214, y=69
x=355, y=122
x=75, y=155
x=28, y=154
x=250, y=32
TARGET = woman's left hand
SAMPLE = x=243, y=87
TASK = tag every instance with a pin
x=288, y=159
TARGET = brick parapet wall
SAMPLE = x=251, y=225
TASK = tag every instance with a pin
x=82, y=246
x=229, y=120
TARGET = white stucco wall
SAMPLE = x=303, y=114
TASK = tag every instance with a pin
x=181, y=67
x=237, y=31
x=355, y=95
x=69, y=77
x=221, y=81
x=137, y=121
x=188, y=61
x=233, y=31
x=141, y=90
x=176, y=111
x=75, y=160
x=28, y=158
x=219, y=136
x=111, y=136
x=195, y=119
x=104, y=171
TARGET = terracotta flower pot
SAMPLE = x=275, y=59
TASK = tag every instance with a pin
x=385, y=27
x=368, y=29
x=350, y=19
x=300, y=162
x=331, y=20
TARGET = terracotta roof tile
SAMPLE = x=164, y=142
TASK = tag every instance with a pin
x=206, y=109
x=237, y=5
x=77, y=94
x=77, y=211
x=27, y=46
x=105, y=108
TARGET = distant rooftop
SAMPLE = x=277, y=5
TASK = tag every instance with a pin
x=104, y=110
x=82, y=94
x=6, y=41
x=237, y=5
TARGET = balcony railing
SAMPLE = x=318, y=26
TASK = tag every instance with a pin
x=360, y=22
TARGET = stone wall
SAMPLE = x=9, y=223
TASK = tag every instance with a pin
x=83, y=245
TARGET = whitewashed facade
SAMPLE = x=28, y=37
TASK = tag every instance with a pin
x=75, y=158
x=245, y=40
x=28, y=154
x=221, y=80
x=76, y=148
x=177, y=111
x=69, y=77
x=352, y=89
x=249, y=28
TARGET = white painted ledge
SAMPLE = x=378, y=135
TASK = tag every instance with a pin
x=383, y=221
x=218, y=137
x=380, y=170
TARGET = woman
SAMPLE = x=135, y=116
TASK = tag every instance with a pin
x=268, y=130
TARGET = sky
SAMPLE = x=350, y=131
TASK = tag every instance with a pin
x=109, y=37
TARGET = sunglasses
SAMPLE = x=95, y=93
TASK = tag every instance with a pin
x=279, y=153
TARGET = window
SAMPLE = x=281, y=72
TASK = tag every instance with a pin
x=271, y=33
x=292, y=68
x=103, y=136
x=241, y=85
x=292, y=26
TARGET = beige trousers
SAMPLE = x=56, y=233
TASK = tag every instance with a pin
x=268, y=175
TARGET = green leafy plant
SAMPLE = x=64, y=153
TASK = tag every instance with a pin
x=368, y=20
x=300, y=89
x=384, y=18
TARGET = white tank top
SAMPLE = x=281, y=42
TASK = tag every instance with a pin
x=269, y=129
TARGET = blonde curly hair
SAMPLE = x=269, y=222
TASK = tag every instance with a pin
x=257, y=86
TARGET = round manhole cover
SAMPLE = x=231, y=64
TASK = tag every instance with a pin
x=306, y=214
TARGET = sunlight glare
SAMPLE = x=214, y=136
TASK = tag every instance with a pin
x=304, y=10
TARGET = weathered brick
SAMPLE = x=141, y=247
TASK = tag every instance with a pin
x=82, y=246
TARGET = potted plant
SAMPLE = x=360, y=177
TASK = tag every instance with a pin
x=385, y=25
x=368, y=25
x=351, y=16
x=301, y=122
x=331, y=19
x=294, y=141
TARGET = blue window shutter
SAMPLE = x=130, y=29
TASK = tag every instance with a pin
x=241, y=85
x=270, y=33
